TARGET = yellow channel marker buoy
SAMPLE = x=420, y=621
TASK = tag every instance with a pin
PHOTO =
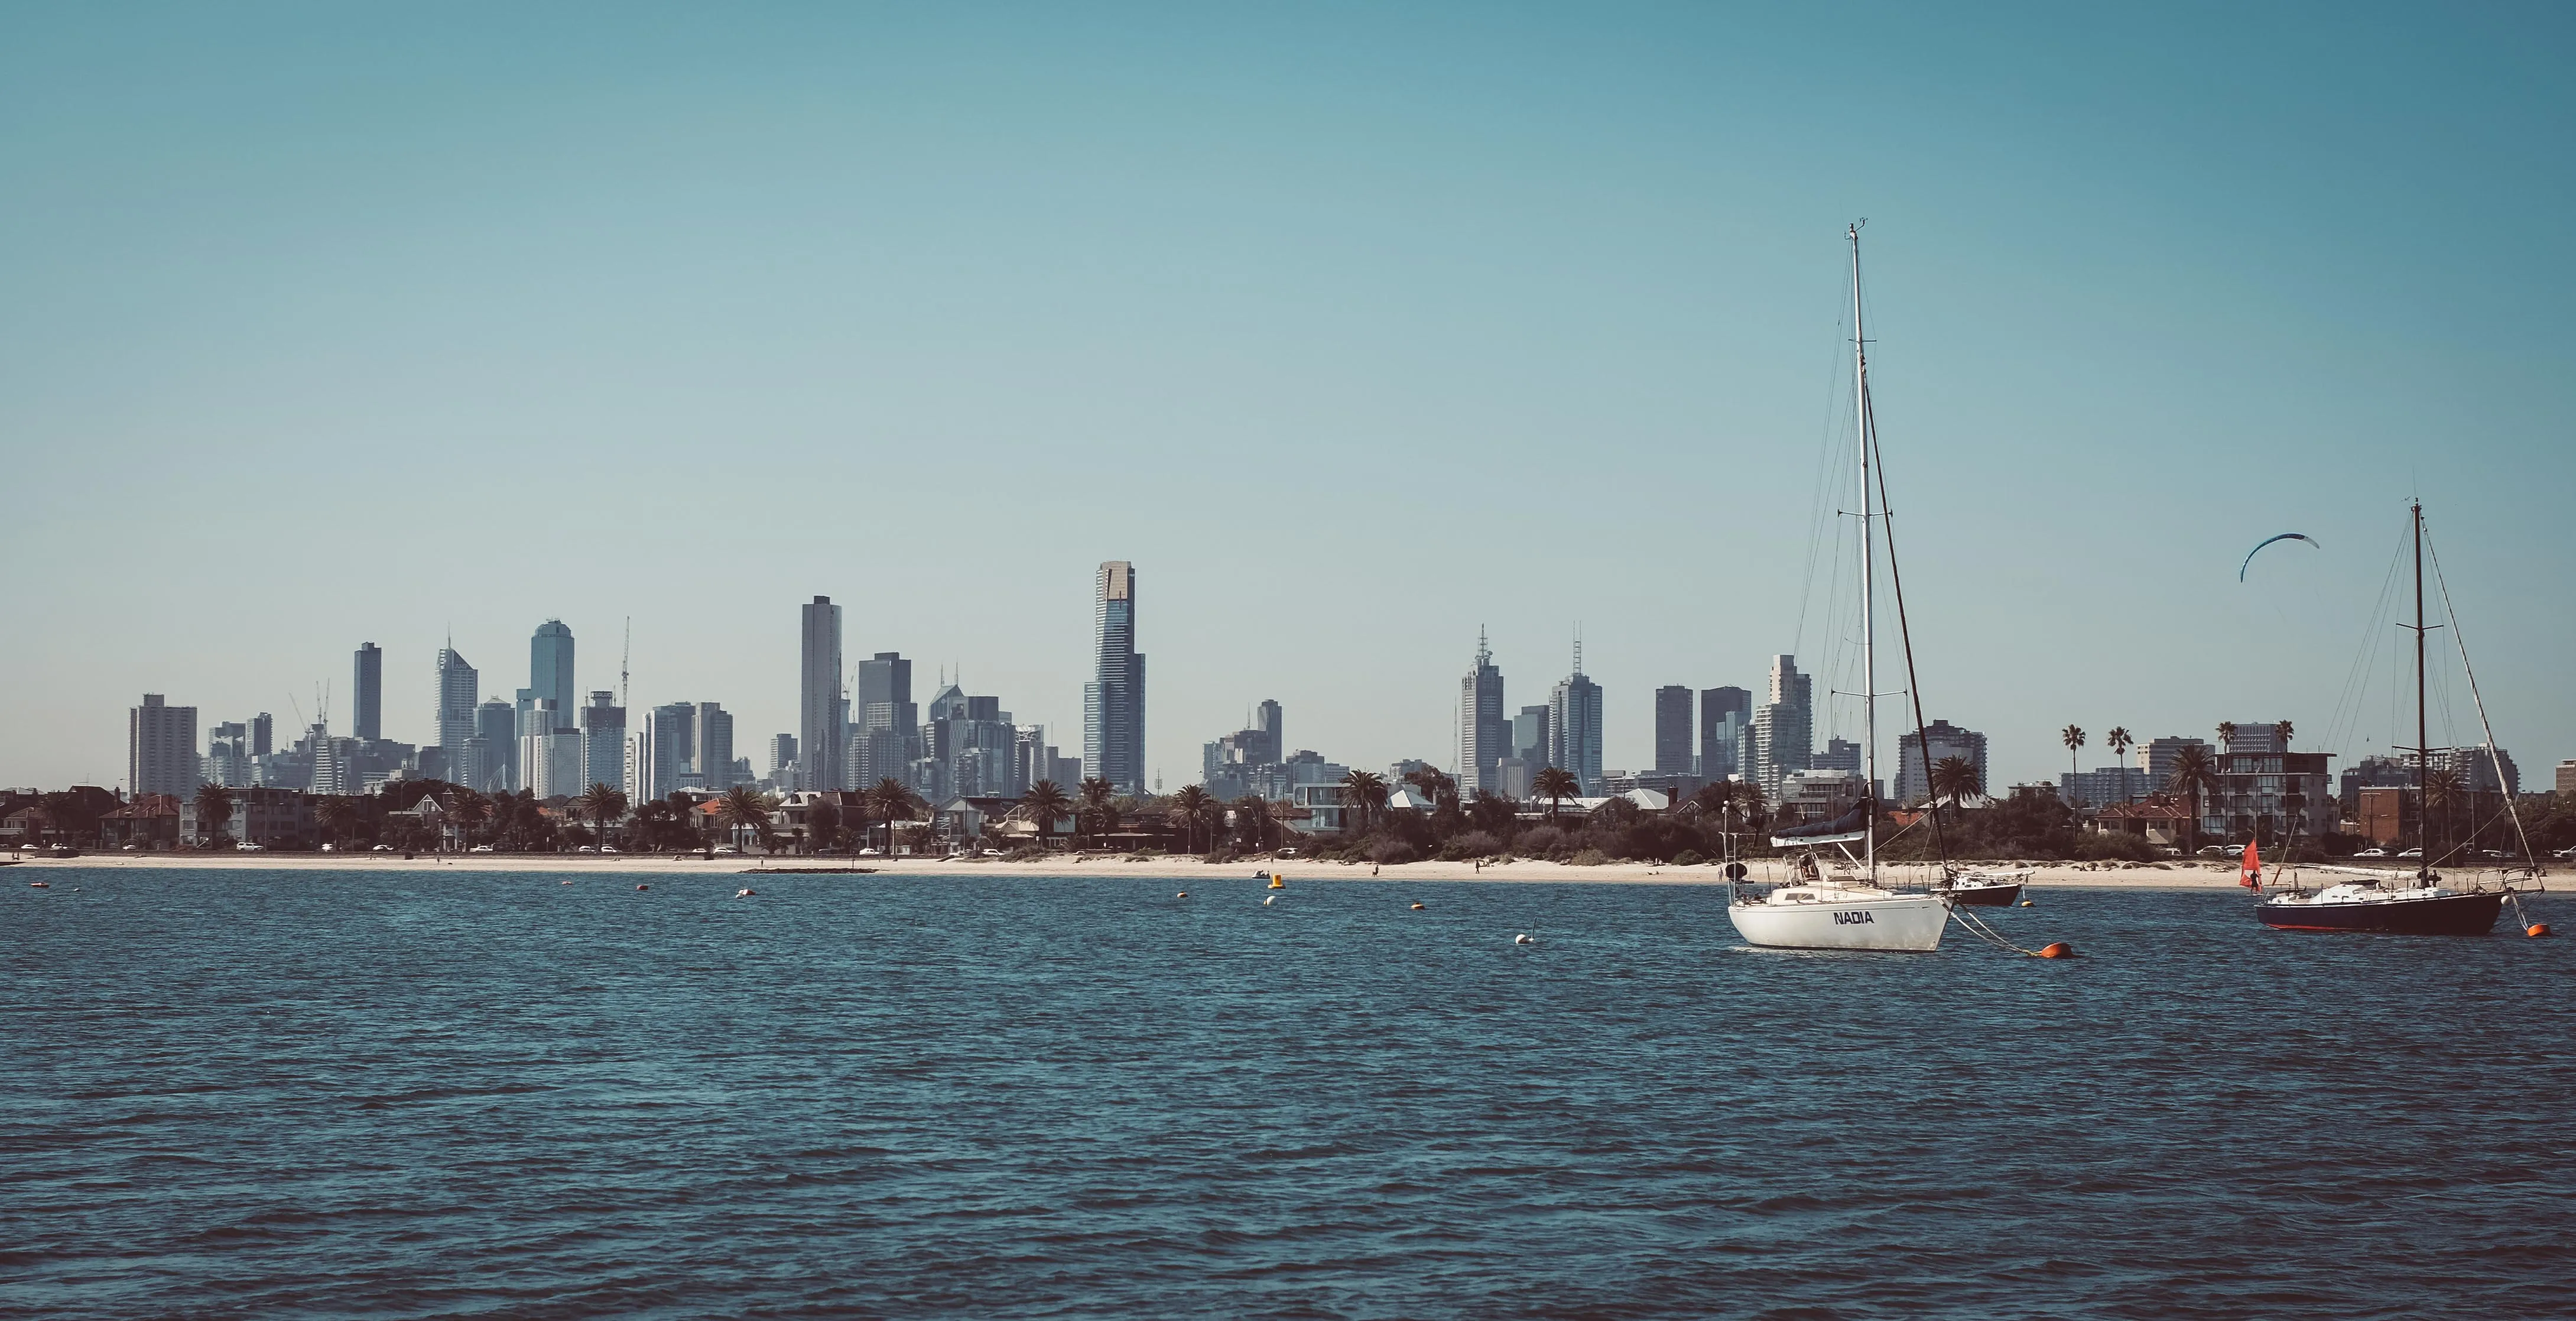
x=1278, y=882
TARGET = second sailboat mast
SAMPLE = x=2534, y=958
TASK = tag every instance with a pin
x=1868, y=616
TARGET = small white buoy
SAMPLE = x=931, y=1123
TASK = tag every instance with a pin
x=745, y=892
x=1268, y=900
x=1523, y=939
x=567, y=882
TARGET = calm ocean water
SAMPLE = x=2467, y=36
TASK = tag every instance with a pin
x=476, y=1094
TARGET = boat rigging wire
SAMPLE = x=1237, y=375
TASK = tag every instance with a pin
x=2494, y=758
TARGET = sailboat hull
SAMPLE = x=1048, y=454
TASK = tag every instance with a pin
x=1986, y=896
x=2441, y=915
x=1906, y=922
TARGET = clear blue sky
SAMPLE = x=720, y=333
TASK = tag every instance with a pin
x=1354, y=327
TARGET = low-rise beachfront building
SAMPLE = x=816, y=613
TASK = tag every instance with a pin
x=2158, y=820
x=270, y=818
x=149, y=823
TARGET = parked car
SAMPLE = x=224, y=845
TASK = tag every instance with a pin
x=872, y=852
x=585, y=849
x=726, y=848
x=382, y=848
x=247, y=847
x=480, y=848
x=608, y=848
x=2372, y=853
x=2412, y=853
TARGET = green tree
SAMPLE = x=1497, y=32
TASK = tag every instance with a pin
x=2282, y=731
x=822, y=823
x=1190, y=809
x=742, y=810
x=1954, y=781
x=2195, y=776
x=464, y=811
x=603, y=803
x=2226, y=734
x=2073, y=737
x=338, y=817
x=894, y=801
x=214, y=812
x=1046, y=805
x=1099, y=815
x=1555, y=784
x=1365, y=791
x=2119, y=742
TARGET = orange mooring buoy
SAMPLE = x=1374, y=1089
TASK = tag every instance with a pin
x=2536, y=930
x=1182, y=895
x=2057, y=950
x=643, y=887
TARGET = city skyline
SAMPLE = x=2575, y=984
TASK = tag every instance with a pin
x=1381, y=314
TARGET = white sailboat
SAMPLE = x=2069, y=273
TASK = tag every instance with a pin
x=1838, y=911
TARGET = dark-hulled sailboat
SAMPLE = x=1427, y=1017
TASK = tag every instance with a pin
x=2420, y=905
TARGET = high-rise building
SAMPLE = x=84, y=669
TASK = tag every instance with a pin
x=889, y=722
x=1725, y=722
x=714, y=737
x=1113, y=703
x=1574, y=724
x=666, y=748
x=1784, y=728
x=496, y=724
x=2157, y=756
x=822, y=719
x=1530, y=741
x=263, y=734
x=550, y=669
x=603, y=742
x=367, y=691
x=228, y=757
x=782, y=762
x=552, y=761
x=459, y=692
x=1673, y=730
x=1484, y=732
x=1945, y=740
x=161, y=748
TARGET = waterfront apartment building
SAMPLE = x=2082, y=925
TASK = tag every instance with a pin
x=822, y=736
x=1484, y=732
x=1574, y=725
x=160, y=748
x=603, y=742
x=550, y=668
x=1784, y=728
x=2105, y=786
x=1673, y=730
x=459, y=692
x=1113, y=702
x=2156, y=756
x=2567, y=777
x=1944, y=740
x=367, y=692
x=1725, y=726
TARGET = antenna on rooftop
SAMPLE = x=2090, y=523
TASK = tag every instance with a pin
x=625, y=659
x=1578, y=646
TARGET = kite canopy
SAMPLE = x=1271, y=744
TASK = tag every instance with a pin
x=2258, y=549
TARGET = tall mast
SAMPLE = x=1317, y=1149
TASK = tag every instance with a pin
x=1868, y=617
x=2423, y=806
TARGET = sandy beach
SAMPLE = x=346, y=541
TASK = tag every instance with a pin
x=2129, y=876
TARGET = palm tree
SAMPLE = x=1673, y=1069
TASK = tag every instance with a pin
x=2119, y=742
x=338, y=817
x=1555, y=784
x=1434, y=784
x=1365, y=790
x=1252, y=812
x=894, y=801
x=2226, y=734
x=1096, y=796
x=467, y=809
x=214, y=812
x=2195, y=775
x=1190, y=807
x=2073, y=737
x=742, y=808
x=1046, y=805
x=602, y=803
x=2282, y=731
x=1954, y=780
x=2443, y=789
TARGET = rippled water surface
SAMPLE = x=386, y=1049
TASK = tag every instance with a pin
x=463, y=1094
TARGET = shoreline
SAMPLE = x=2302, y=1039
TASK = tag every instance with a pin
x=2108, y=876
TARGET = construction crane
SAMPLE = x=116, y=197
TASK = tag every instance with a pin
x=624, y=659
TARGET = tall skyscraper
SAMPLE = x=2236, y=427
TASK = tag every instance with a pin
x=367, y=693
x=496, y=726
x=665, y=748
x=1784, y=728
x=603, y=742
x=715, y=745
x=1113, y=703
x=822, y=736
x=161, y=748
x=1574, y=725
x=1673, y=729
x=1725, y=722
x=1530, y=742
x=1484, y=732
x=227, y=757
x=889, y=721
x=459, y=692
x=550, y=668
x=782, y=761
x=263, y=734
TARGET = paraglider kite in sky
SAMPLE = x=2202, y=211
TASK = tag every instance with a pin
x=2258, y=549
